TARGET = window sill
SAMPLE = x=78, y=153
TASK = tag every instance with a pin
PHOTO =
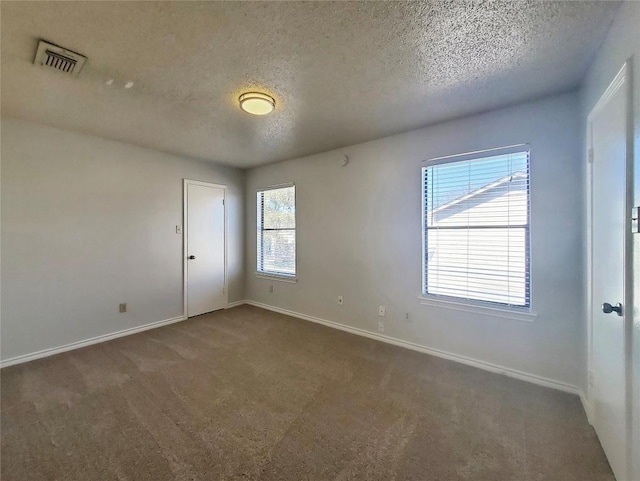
x=276, y=277
x=505, y=313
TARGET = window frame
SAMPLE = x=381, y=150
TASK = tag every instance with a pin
x=495, y=309
x=275, y=275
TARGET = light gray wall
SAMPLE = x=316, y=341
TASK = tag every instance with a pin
x=89, y=223
x=621, y=44
x=359, y=235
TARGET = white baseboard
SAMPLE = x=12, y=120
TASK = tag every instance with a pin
x=487, y=366
x=586, y=405
x=87, y=342
x=235, y=304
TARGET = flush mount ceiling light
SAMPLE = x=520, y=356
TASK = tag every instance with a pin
x=256, y=103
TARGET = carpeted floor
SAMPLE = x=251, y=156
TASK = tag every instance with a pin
x=250, y=394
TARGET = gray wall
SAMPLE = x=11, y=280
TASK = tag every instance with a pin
x=359, y=235
x=88, y=223
x=623, y=43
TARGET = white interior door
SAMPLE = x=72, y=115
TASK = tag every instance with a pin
x=609, y=357
x=205, y=248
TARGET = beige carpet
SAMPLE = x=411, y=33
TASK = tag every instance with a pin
x=250, y=394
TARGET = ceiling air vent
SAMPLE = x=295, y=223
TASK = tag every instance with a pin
x=58, y=58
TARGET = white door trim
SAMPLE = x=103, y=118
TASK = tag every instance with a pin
x=185, y=241
x=621, y=80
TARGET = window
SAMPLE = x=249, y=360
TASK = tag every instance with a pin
x=277, y=231
x=476, y=227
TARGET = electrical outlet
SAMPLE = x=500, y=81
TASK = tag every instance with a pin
x=178, y=229
x=382, y=311
x=381, y=326
x=123, y=307
x=271, y=289
x=340, y=300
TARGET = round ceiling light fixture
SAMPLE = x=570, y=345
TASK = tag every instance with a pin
x=256, y=103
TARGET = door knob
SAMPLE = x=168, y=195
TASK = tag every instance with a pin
x=192, y=257
x=608, y=308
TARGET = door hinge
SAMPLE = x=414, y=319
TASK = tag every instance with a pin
x=635, y=220
x=222, y=201
x=590, y=156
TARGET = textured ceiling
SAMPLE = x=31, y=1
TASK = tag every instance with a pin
x=341, y=72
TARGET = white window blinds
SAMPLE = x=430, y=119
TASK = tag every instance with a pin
x=476, y=227
x=276, y=242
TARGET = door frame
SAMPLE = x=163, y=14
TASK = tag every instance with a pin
x=621, y=80
x=185, y=241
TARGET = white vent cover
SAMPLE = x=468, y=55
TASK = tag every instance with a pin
x=58, y=58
